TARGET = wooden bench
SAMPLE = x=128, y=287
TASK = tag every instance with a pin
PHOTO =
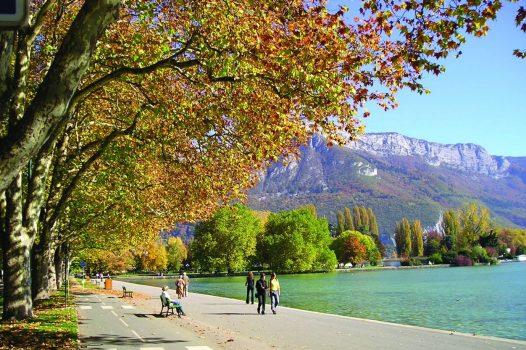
x=165, y=303
x=126, y=293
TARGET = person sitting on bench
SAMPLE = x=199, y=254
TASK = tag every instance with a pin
x=167, y=301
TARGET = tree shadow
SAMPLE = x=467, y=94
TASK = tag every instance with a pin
x=104, y=340
x=233, y=313
x=29, y=338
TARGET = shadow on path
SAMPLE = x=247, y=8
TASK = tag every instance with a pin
x=233, y=313
x=111, y=339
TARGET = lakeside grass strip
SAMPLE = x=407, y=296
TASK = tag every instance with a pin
x=53, y=327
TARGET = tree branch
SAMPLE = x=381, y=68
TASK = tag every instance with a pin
x=66, y=194
x=50, y=104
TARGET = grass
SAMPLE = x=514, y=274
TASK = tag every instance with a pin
x=53, y=327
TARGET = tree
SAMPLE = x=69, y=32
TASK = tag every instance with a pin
x=450, y=227
x=356, y=251
x=177, y=253
x=357, y=218
x=341, y=224
x=372, y=222
x=403, y=238
x=153, y=257
x=312, y=210
x=104, y=260
x=417, y=241
x=365, y=221
x=349, y=225
x=355, y=247
x=474, y=221
x=220, y=86
x=227, y=240
x=432, y=242
x=296, y=241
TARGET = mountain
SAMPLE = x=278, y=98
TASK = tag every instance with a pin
x=397, y=176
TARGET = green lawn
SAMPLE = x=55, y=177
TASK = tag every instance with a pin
x=53, y=327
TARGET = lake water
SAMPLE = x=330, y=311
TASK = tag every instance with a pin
x=486, y=300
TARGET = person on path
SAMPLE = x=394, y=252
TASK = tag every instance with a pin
x=261, y=288
x=186, y=283
x=250, y=286
x=176, y=304
x=274, y=292
x=179, y=287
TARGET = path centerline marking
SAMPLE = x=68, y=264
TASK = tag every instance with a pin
x=137, y=335
x=123, y=322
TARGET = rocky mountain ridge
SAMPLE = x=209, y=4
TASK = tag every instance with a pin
x=466, y=157
x=397, y=176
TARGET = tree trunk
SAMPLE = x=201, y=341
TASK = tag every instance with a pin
x=16, y=248
x=52, y=99
x=59, y=265
x=17, y=278
x=43, y=263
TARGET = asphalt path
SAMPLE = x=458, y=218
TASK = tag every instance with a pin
x=110, y=322
x=222, y=323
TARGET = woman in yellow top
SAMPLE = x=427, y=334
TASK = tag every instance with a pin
x=274, y=292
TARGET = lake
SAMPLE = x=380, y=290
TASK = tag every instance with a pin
x=485, y=300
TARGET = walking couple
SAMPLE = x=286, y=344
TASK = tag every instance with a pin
x=262, y=287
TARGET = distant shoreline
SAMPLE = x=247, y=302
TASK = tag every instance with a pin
x=267, y=272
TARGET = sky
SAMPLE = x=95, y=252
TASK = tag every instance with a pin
x=480, y=99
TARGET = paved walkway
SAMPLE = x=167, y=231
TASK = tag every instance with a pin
x=221, y=323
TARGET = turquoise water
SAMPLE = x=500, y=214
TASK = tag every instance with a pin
x=485, y=300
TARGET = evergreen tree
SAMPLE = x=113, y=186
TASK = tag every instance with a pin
x=349, y=224
x=357, y=218
x=450, y=227
x=417, y=241
x=403, y=238
x=312, y=210
x=341, y=226
x=365, y=227
x=373, y=225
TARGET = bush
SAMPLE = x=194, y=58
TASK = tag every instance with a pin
x=449, y=257
x=492, y=251
x=462, y=260
x=479, y=254
x=436, y=258
x=415, y=262
x=405, y=261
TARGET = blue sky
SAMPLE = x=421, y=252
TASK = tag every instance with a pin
x=481, y=98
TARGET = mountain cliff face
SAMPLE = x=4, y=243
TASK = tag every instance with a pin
x=398, y=177
x=464, y=157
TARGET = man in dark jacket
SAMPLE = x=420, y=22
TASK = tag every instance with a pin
x=261, y=289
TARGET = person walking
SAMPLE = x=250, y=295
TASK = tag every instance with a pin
x=250, y=286
x=186, y=284
x=261, y=288
x=179, y=287
x=275, y=291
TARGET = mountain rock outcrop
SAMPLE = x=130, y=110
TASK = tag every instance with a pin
x=397, y=176
x=465, y=157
